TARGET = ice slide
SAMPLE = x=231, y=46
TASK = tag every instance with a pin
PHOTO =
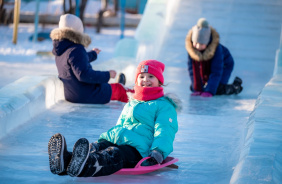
x=226, y=139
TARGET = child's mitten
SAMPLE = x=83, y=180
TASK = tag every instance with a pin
x=206, y=94
x=156, y=157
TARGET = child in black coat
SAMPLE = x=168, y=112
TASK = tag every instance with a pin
x=82, y=84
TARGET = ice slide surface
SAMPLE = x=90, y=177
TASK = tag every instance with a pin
x=211, y=139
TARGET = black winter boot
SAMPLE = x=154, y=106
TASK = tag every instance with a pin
x=80, y=155
x=221, y=89
x=237, y=85
x=59, y=157
x=229, y=89
x=121, y=79
x=237, y=81
x=101, y=163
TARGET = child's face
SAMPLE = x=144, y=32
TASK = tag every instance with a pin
x=199, y=46
x=147, y=80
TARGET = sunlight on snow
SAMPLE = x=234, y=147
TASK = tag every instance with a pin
x=247, y=105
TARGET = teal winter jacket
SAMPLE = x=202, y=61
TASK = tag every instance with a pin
x=146, y=126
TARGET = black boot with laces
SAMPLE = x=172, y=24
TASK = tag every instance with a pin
x=59, y=157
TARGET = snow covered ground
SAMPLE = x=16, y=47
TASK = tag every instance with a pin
x=224, y=139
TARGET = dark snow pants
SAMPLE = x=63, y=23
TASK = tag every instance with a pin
x=111, y=158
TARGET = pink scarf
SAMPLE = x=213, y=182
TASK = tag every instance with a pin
x=147, y=93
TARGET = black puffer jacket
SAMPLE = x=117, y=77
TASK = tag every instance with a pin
x=82, y=84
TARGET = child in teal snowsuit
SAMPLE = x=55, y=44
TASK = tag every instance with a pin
x=146, y=127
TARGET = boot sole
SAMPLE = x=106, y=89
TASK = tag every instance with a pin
x=121, y=79
x=79, y=157
x=56, y=147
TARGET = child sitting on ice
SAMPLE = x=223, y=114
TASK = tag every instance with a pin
x=146, y=127
x=82, y=84
x=209, y=63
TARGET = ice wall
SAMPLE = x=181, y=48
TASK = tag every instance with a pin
x=150, y=32
x=148, y=38
x=26, y=98
x=261, y=155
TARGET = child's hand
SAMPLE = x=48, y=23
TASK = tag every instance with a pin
x=156, y=156
x=96, y=50
x=206, y=94
x=113, y=73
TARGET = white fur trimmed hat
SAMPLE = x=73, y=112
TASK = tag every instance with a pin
x=72, y=22
x=201, y=32
x=71, y=28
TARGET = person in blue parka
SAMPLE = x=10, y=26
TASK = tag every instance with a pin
x=82, y=84
x=210, y=64
x=146, y=128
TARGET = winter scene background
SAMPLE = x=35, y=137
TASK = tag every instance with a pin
x=223, y=139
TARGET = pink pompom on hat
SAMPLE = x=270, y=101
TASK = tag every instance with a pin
x=153, y=67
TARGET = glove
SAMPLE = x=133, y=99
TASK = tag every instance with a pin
x=156, y=157
x=196, y=93
x=206, y=94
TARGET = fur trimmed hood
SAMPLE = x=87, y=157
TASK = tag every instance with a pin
x=176, y=102
x=70, y=34
x=172, y=98
x=208, y=52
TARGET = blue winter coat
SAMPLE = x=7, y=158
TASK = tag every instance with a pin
x=221, y=61
x=146, y=126
x=82, y=84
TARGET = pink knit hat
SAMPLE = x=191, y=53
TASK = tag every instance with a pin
x=153, y=67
